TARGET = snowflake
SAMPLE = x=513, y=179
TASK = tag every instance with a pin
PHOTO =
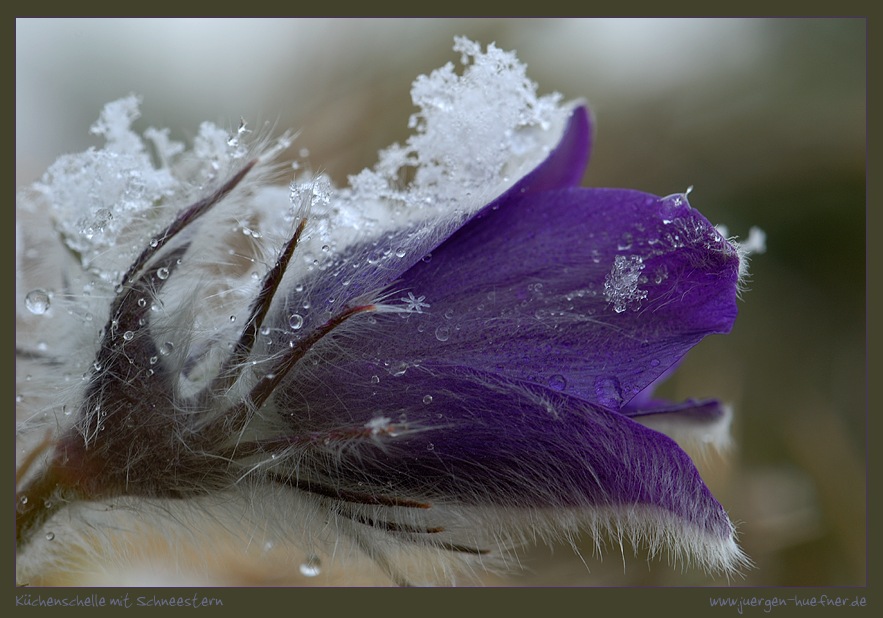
x=414, y=304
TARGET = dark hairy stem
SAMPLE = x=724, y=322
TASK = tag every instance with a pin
x=60, y=483
x=238, y=415
x=185, y=218
x=258, y=311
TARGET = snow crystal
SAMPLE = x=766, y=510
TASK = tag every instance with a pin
x=621, y=283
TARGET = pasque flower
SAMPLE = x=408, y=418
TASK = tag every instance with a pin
x=452, y=357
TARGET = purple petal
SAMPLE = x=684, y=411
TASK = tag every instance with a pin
x=378, y=260
x=591, y=292
x=468, y=438
x=644, y=399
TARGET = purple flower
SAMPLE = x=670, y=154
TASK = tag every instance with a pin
x=442, y=394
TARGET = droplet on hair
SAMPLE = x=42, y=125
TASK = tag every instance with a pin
x=295, y=321
x=311, y=567
x=37, y=301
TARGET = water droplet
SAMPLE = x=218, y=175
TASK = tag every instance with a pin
x=557, y=382
x=443, y=333
x=167, y=348
x=23, y=499
x=50, y=536
x=427, y=399
x=154, y=243
x=608, y=391
x=430, y=447
x=399, y=369
x=295, y=321
x=265, y=330
x=654, y=363
x=128, y=335
x=162, y=273
x=400, y=252
x=37, y=301
x=311, y=567
x=142, y=302
x=375, y=379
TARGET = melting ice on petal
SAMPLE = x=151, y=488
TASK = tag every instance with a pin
x=379, y=424
x=621, y=283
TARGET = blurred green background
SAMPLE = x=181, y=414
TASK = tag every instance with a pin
x=765, y=118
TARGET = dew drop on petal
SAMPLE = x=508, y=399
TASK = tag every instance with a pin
x=295, y=321
x=265, y=330
x=162, y=273
x=37, y=301
x=427, y=399
x=399, y=369
x=167, y=348
x=400, y=252
x=50, y=536
x=128, y=335
x=311, y=567
x=443, y=333
x=375, y=379
x=608, y=391
x=557, y=382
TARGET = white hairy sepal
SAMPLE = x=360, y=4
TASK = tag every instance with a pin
x=699, y=436
x=262, y=535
